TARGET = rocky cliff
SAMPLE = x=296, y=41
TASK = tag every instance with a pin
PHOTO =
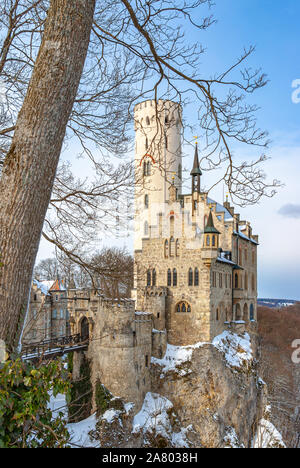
x=207, y=395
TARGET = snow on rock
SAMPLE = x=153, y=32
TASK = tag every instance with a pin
x=236, y=349
x=154, y=420
x=80, y=433
x=112, y=414
x=231, y=439
x=267, y=436
x=175, y=357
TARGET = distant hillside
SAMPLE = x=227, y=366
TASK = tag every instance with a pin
x=277, y=303
x=278, y=331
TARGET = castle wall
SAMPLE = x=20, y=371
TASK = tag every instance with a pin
x=120, y=350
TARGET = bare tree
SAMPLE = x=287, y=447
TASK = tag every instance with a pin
x=46, y=269
x=135, y=51
x=30, y=165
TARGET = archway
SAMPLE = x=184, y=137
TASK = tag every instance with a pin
x=84, y=329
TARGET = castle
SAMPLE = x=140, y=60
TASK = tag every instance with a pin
x=195, y=267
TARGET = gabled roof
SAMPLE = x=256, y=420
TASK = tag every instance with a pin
x=57, y=286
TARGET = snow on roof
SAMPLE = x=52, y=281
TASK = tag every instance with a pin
x=44, y=286
x=240, y=234
x=225, y=260
x=221, y=209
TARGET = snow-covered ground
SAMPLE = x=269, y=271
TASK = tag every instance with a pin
x=79, y=432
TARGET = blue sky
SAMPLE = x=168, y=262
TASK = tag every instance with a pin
x=273, y=27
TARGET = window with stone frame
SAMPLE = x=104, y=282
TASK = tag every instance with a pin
x=183, y=307
x=153, y=277
x=169, y=277
x=190, y=277
x=174, y=277
x=196, y=277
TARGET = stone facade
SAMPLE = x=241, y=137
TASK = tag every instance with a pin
x=195, y=269
x=209, y=274
x=48, y=315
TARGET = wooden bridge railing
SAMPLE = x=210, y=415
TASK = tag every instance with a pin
x=59, y=344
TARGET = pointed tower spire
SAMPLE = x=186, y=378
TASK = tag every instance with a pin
x=210, y=227
x=196, y=172
x=211, y=234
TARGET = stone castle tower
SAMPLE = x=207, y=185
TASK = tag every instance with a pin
x=195, y=260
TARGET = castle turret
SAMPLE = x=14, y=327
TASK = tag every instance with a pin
x=158, y=162
x=196, y=172
x=211, y=234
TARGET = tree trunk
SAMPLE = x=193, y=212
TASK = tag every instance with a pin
x=30, y=165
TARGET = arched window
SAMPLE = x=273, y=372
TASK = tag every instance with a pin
x=196, y=278
x=166, y=249
x=146, y=143
x=252, y=318
x=190, y=278
x=177, y=248
x=154, y=277
x=207, y=241
x=172, y=247
x=183, y=307
x=174, y=277
x=146, y=201
x=246, y=254
x=213, y=241
x=146, y=228
x=148, y=278
x=236, y=281
x=147, y=120
x=166, y=119
x=217, y=314
x=166, y=142
x=169, y=277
